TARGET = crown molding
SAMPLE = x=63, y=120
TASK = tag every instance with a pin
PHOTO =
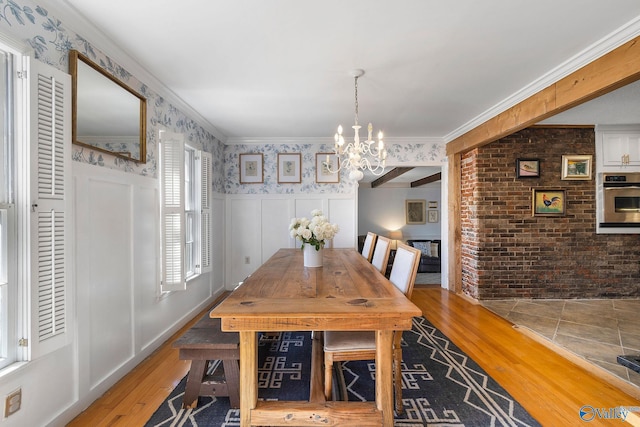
x=75, y=21
x=613, y=40
x=326, y=140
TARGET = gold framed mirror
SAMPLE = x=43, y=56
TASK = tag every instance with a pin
x=108, y=116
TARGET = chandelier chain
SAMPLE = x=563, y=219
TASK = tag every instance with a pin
x=356, y=90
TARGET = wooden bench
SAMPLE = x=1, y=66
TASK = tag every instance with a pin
x=205, y=342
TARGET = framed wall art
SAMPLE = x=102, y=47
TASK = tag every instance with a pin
x=528, y=168
x=548, y=202
x=289, y=168
x=251, y=168
x=576, y=167
x=433, y=204
x=415, y=211
x=432, y=215
x=325, y=163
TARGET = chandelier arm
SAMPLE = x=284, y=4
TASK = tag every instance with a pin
x=366, y=163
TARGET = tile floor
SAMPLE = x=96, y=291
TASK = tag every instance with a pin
x=596, y=330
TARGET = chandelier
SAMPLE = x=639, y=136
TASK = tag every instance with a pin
x=359, y=155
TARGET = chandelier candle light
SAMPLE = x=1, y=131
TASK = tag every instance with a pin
x=359, y=155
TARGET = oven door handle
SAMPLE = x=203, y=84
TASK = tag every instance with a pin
x=620, y=185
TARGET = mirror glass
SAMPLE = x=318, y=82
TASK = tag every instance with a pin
x=108, y=116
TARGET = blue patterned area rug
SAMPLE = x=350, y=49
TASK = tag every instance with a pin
x=441, y=385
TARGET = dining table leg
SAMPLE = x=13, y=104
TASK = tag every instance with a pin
x=384, y=375
x=248, y=375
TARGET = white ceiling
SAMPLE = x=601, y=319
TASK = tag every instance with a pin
x=277, y=69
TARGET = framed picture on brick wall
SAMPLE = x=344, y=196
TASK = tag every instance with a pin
x=528, y=168
x=576, y=167
x=548, y=202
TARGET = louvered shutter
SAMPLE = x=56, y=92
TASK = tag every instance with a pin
x=172, y=190
x=205, y=204
x=50, y=140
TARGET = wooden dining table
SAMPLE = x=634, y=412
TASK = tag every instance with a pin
x=346, y=293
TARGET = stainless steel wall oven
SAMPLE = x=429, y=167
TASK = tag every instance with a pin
x=621, y=199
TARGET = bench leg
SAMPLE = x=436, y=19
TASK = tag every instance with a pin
x=232, y=378
x=194, y=381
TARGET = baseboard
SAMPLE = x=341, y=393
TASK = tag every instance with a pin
x=468, y=298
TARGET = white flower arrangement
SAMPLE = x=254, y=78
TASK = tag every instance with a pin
x=314, y=231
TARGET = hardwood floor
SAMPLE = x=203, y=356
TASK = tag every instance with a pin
x=550, y=387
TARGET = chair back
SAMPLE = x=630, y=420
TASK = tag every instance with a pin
x=381, y=254
x=405, y=268
x=369, y=243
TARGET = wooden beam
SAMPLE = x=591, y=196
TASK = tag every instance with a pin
x=427, y=179
x=393, y=173
x=617, y=68
x=454, y=230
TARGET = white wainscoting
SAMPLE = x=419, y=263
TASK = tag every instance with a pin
x=258, y=225
x=121, y=315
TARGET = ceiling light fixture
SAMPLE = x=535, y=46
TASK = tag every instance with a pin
x=358, y=156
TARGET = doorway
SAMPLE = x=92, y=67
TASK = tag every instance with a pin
x=382, y=204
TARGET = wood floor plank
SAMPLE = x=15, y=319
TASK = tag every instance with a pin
x=552, y=388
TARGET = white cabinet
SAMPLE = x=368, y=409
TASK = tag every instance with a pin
x=618, y=147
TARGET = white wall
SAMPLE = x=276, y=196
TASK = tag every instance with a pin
x=121, y=315
x=258, y=225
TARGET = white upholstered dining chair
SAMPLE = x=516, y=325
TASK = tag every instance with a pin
x=369, y=243
x=381, y=254
x=342, y=346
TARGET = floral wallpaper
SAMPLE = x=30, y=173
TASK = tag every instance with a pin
x=397, y=153
x=51, y=41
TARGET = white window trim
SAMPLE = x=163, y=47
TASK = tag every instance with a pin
x=197, y=216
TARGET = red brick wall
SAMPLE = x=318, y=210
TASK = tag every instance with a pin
x=508, y=253
x=469, y=223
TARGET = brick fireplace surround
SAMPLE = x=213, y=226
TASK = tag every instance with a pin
x=508, y=253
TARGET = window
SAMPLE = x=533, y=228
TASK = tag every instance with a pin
x=191, y=213
x=9, y=288
x=186, y=213
x=35, y=139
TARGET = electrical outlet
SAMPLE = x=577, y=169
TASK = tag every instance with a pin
x=247, y=260
x=13, y=402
